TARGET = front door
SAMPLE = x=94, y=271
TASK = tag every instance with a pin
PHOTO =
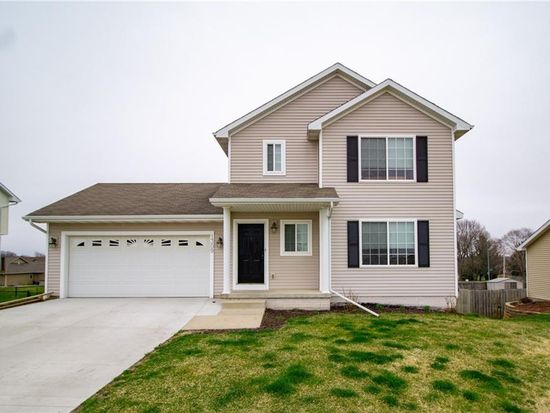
x=250, y=253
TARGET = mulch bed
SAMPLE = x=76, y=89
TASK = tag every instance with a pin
x=275, y=319
x=537, y=306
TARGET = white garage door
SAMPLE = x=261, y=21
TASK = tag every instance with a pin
x=139, y=266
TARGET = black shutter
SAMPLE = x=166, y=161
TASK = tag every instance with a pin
x=353, y=244
x=353, y=159
x=421, y=159
x=423, y=235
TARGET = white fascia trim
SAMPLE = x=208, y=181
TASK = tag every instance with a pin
x=11, y=196
x=124, y=218
x=337, y=67
x=233, y=201
x=534, y=236
x=459, y=125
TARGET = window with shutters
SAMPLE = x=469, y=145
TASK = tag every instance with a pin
x=274, y=153
x=387, y=158
x=388, y=242
x=296, y=237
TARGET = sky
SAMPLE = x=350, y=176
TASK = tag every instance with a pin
x=98, y=92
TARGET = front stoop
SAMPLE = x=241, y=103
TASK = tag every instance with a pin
x=285, y=299
x=231, y=315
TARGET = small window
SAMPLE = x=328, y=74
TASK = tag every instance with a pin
x=96, y=243
x=183, y=243
x=199, y=244
x=148, y=242
x=131, y=242
x=295, y=237
x=387, y=158
x=81, y=244
x=114, y=243
x=274, y=157
x=166, y=242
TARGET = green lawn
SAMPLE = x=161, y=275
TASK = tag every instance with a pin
x=345, y=362
x=13, y=293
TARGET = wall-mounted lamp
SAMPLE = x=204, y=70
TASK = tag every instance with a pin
x=274, y=227
x=219, y=242
x=53, y=242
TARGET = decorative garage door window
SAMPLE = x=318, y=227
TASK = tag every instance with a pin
x=139, y=242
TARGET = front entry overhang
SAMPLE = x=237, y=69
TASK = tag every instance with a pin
x=274, y=197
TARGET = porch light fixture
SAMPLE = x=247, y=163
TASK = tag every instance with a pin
x=219, y=242
x=53, y=242
x=274, y=227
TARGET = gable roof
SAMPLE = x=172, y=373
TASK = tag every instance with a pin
x=23, y=265
x=115, y=202
x=284, y=98
x=11, y=196
x=536, y=235
x=460, y=126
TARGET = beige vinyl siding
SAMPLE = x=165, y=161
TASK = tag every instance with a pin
x=431, y=201
x=56, y=229
x=288, y=123
x=290, y=272
x=538, y=267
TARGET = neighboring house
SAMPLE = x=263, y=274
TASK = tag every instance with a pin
x=504, y=283
x=537, y=259
x=7, y=199
x=339, y=184
x=22, y=271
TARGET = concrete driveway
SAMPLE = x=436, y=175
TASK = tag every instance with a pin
x=56, y=354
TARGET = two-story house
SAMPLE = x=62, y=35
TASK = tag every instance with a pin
x=337, y=185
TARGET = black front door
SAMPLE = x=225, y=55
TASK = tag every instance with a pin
x=251, y=253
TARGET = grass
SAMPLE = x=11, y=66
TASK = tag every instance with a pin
x=14, y=293
x=345, y=362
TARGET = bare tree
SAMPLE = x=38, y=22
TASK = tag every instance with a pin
x=474, y=244
x=38, y=254
x=508, y=246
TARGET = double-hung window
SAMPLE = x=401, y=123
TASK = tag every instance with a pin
x=296, y=237
x=274, y=157
x=387, y=158
x=388, y=243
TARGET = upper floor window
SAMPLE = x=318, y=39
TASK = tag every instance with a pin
x=387, y=158
x=274, y=157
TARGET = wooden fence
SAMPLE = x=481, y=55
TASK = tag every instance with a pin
x=472, y=285
x=489, y=303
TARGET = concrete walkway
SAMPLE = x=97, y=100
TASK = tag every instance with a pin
x=56, y=354
x=228, y=315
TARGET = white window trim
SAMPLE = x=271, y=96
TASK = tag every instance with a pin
x=385, y=136
x=283, y=157
x=387, y=221
x=309, y=238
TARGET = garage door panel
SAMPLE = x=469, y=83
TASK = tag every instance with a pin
x=139, y=266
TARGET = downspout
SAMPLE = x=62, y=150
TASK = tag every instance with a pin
x=37, y=227
x=337, y=293
x=354, y=303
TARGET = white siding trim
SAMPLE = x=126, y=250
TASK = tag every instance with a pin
x=125, y=218
x=64, y=258
x=454, y=212
x=226, y=250
x=324, y=250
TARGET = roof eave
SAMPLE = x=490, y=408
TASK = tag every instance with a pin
x=221, y=202
x=11, y=196
x=534, y=236
x=122, y=218
x=459, y=126
x=334, y=69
